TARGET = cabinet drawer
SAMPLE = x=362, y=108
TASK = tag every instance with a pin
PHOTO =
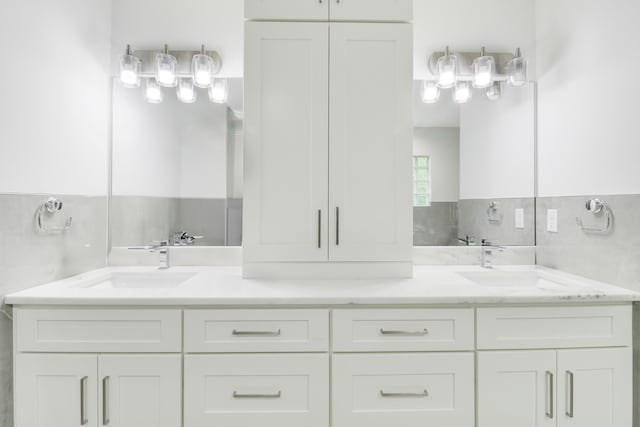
x=409, y=390
x=256, y=331
x=554, y=327
x=98, y=330
x=256, y=390
x=403, y=330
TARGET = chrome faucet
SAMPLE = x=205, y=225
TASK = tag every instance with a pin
x=487, y=253
x=182, y=238
x=162, y=247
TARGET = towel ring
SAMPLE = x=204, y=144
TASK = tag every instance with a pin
x=494, y=216
x=50, y=207
x=596, y=206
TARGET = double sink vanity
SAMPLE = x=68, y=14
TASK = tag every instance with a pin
x=453, y=346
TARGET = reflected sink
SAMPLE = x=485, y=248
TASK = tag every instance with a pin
x=150, y=280
x=521, y=280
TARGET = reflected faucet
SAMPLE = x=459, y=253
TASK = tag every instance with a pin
x=162, y=247
x=487, y=253
x=182, y=238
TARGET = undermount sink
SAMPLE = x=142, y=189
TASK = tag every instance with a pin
x=521, y=280
x=150, y=280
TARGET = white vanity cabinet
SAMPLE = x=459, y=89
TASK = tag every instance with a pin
x=328, y=143
x=282, y=10
x=336, y=10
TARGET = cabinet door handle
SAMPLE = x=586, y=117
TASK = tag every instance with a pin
x=105, y=401
x=237, y=395
x=256, y=333
x=337, y=226
x=569, y=397
x=319, y=227
x=549, y=402
x=423, y=332
x=424, y=393
x=83, y=401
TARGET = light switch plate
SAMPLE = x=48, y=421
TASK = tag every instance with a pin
x=552, y=220
x=519, y=218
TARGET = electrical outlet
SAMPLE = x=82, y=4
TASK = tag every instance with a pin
x=519, y=218
x=552, y=220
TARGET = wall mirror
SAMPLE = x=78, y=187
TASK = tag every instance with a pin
x=474, y=169
x=176, y=168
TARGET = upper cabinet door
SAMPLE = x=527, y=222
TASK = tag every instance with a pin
x=371, y=142
x=372, y=10
x=140, y=390
x=55, y=390
x=595, y=388
x=300, y=10
x=286, y=142
x=517, y=388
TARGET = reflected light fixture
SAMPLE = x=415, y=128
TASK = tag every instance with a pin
x=219, y=91
x=494, y=91
x=153, y=92
x=129, y=70
x=430, y=92
x=447, y=70
x=462, y=92
x=202, y=67
x=166, y=69
x=484, y=68
x=186, y=91
x=517, y=70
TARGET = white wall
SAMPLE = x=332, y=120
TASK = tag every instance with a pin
x=54, y=100
x=467, y=25
x=497, y=145
x=170, y=149
x=588, y=97
x=183, y=24
x=443, y=147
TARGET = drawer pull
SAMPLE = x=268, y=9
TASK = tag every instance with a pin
x=421, y=333
x=424, y=393
x=83, y=401
x=256, y=333
x=569, y=397
x=549, y=402
x=237, y=395
x=105, y=401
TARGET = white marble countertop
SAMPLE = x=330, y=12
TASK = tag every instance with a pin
x=224, y=286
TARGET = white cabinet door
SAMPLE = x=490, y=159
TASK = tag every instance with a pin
x=408, y=390
x=286, y=390
x=371, y=10
x=517, y=389
x=140, y=390
x=595, y=387
x=56, y=390
x=286, y=142
x=283, y=10
x=370, y=200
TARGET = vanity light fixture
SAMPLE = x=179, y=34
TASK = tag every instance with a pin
x=186, y=91
x=484, y=68
x=166, y=65
x=219, y=91
x=494, y=92
x=203, y=69
x=517, y=70
x=462, y=92
x=153, y=91
x=447, y=70
x=129, y=70
x=430, y=92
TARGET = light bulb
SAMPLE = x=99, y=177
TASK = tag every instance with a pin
x=430, y=92
x=166, y=69
x=462, y=92
x=153, y=92
x=494, y=91
x=447, y=67
x=219, y=91
x=517, y=70
x=129, y=70
x=202, y=67
x=186, y=92
x=483, y=70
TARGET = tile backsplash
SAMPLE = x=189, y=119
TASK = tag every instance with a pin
x=28, y=259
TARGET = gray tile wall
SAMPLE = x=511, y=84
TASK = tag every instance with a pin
x=613, y=257
x=436, y=225
x=473, y=221
x=28, y=259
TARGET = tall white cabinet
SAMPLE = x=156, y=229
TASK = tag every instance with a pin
x=327, y=138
